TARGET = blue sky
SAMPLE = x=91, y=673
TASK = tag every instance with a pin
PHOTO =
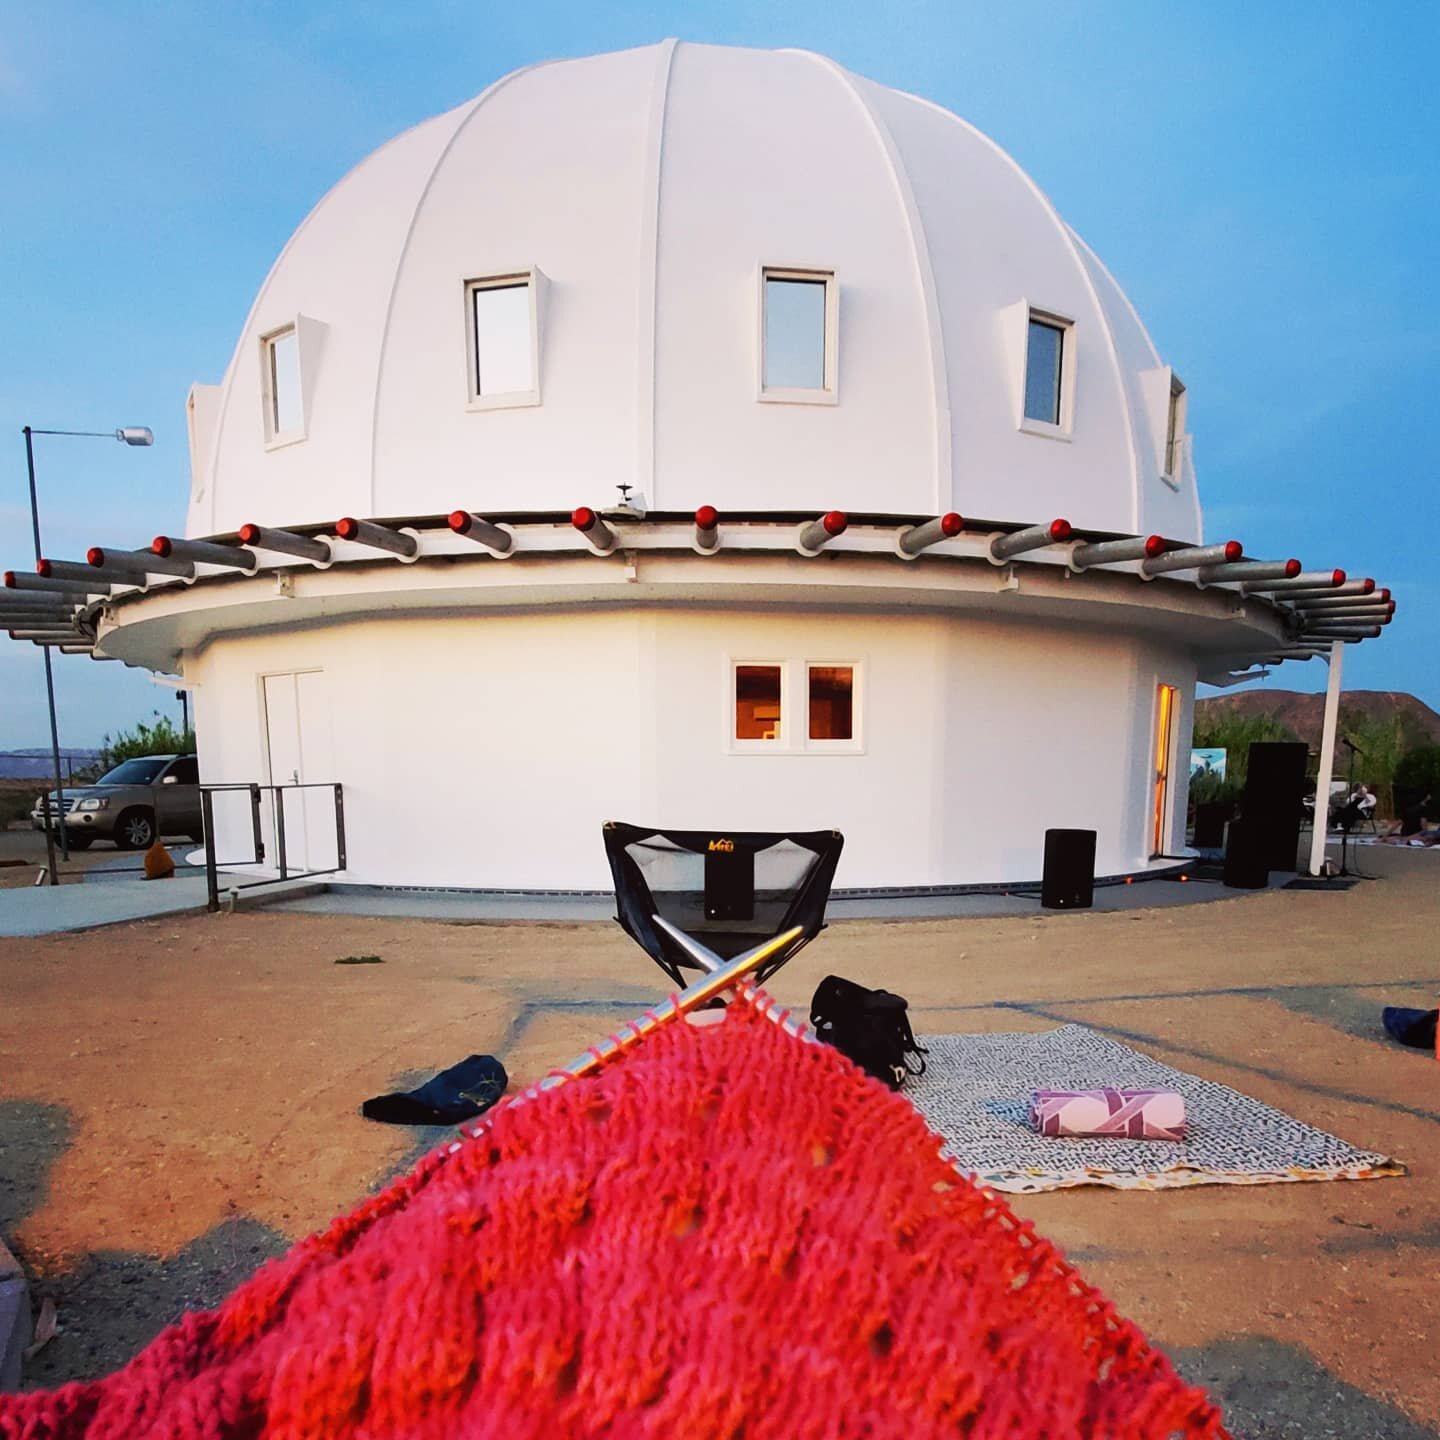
x=1260, y=178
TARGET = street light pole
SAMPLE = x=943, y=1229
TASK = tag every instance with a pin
x=45, y=806
x=130, y=435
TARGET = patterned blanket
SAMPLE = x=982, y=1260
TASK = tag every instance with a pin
x=976, y=1094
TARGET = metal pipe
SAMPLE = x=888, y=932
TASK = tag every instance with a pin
x=205, y=552
x=920, y=537
x=1337, y=632
x=378, y=537
x=75, y=570
x=142, y=562
x=1033, y=537
x=707, y=529
x=481, y=531
x=1338, y=602
x=1250, y=570
x=1323, y=581
x=593, y=528
x=1351, y=612
x=285, y=542
x=1112, y=552
x=1327, y=592
x=84, y=650
x=47, y=636
x=815, y=535
x=24, y=601
x=19, y=580
x=1191, y=557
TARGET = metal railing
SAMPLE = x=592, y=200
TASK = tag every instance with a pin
x=257, y=831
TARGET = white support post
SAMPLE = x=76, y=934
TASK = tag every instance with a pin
x=1327, y=760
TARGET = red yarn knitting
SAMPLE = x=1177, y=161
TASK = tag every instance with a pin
x=725, y=1233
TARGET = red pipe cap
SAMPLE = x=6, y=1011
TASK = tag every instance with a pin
x=1154, y=545
x=9, y=579
x=347, y=528
x=583, y=518
x=1233, y=550
x=835, y=522
x=951, y=523
x=42, y=567
x=249, y=534
x=160, y=546
x=1292, y=569
x=1368, y=588
x=707, y=517
x=1060, y=530
x=1337, y=577
x=95, y=555
x=459, y=521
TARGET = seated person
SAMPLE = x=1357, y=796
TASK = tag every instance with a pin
x=1411, y=824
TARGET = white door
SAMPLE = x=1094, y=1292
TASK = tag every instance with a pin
x=297, y=728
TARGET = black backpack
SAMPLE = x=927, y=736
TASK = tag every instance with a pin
x=870, y=1026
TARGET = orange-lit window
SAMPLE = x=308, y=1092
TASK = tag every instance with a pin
x=757, y=702
x=1165, y=705
x=832, y=702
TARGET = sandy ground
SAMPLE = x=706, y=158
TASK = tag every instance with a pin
x=179, y=1099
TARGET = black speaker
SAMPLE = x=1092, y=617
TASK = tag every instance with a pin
x=1274, y=790
x=1069, y=878
x=1245, y=867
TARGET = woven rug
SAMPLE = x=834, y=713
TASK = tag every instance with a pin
x=725, y=1232
x=976, y=1090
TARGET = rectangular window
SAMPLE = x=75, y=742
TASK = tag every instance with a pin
x=502, y=340
x=1175, y=427
x=797, y=335
x=1044, y=369
x=757, y=702
x=832, y=702
x=284, y=411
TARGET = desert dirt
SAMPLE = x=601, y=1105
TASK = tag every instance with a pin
x=179, y=1100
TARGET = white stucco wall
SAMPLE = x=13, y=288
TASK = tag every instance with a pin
x=487, y=752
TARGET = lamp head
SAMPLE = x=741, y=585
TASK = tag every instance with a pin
x=136, y=435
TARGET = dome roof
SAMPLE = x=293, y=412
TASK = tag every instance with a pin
x=643, y=194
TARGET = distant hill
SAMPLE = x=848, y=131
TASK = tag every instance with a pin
x=37, y=764
x=1305, y=714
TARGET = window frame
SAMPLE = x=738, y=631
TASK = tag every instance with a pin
x=735, y=744
x=275, y=438
x=855, y=745
x=1034, y=314
x=795, y=738
x=828, y=393
x=530, y=278
x=1176, y=404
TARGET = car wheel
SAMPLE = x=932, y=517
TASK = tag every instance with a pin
x=135, y=830
x=79, y=842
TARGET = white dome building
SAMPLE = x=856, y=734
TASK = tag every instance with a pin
x=697, y=277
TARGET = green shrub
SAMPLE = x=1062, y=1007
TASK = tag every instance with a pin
x=1417, y=773
x=1235, y=733
x=158, y=737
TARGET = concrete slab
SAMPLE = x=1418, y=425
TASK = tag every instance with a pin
x=482, y=907
x=51, y=909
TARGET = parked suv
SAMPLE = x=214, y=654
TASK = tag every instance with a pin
x=131, y=804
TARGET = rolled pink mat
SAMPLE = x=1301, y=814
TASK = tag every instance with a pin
x=1112, y=1114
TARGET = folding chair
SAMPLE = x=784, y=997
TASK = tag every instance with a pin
x=684, y=895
